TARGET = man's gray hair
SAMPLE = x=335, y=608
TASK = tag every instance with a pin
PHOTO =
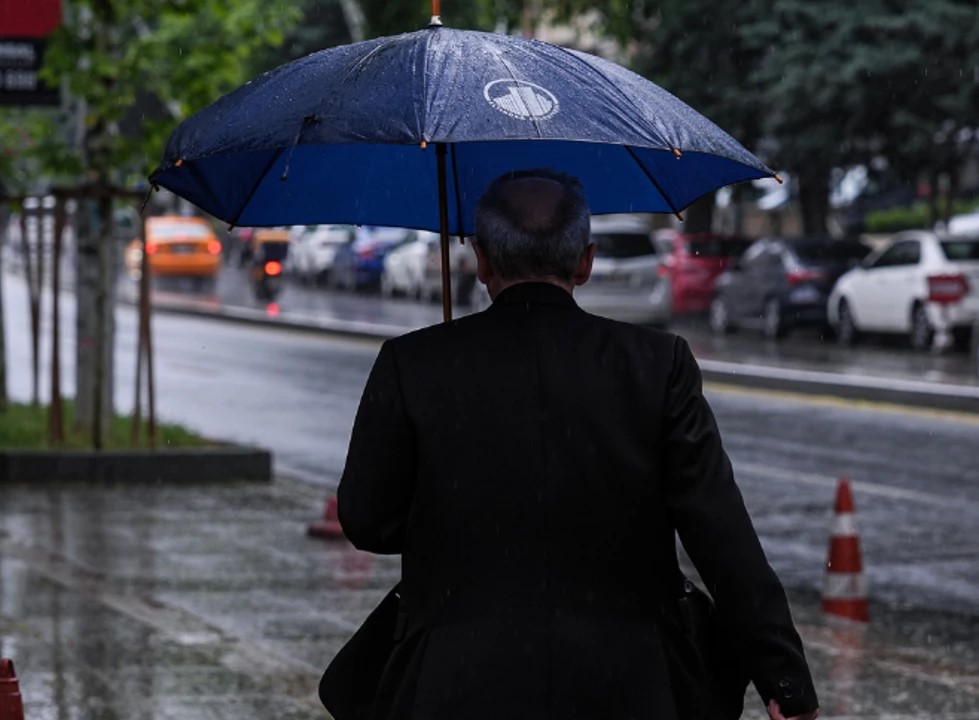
x=521, y=244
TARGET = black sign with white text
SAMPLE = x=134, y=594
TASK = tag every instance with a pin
x=20, y=60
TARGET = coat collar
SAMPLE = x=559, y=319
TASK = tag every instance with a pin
x=537, y=293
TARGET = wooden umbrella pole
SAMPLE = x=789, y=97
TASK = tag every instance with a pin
x=436, y=8
x=444, y=233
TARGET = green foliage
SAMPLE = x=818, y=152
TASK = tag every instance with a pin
x=133, y=69
x=323, y=25
x=24, y=427
x=912, y=217
x=897, y=219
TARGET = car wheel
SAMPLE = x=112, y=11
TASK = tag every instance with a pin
x=774, y=322
x=962, y=338
x=719, y=316
x=922, y=333
x=846, y=329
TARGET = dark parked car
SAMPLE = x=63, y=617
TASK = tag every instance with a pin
x=781, y=283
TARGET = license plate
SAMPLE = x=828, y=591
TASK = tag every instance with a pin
x=182, y=249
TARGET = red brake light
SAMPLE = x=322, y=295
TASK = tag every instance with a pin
x=797, y=277
x=663, y=270
x=947, y=289
x=214, y=247
x=273, y=268
x=151, y=248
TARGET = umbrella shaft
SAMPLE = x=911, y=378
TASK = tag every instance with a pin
x=444, y=232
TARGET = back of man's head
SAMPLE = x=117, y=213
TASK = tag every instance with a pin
x=533, y=224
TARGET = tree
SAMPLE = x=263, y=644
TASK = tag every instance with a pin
x=849, y=82
x=113, y=57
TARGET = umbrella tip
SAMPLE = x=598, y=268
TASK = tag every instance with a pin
x=779, y=180
x=436, y=20
x=676, y=153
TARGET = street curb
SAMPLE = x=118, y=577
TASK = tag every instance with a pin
x=286, y=321
x=914, y=393
x=934, y=396
x=184, y=466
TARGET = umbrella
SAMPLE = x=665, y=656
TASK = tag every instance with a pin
x=409, y=130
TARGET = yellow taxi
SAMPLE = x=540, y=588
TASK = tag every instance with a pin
x=177, y=246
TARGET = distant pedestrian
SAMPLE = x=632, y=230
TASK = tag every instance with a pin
x=531, y=464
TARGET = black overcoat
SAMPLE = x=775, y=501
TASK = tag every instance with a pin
x=530, y=463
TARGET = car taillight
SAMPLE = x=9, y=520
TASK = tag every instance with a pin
x=663, y=270
x=947, y=289
x=214, y=247
x=797, y=277
x=273, y=268
x=366, y=254
x=151, y=248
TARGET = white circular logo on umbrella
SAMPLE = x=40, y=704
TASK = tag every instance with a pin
x=521, y=99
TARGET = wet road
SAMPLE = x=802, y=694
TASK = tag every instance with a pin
x=211, y=603
x=915, y=472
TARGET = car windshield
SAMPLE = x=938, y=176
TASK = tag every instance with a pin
x=191, y=231
x=622, y=245
x=717, y=248
x=964, y=249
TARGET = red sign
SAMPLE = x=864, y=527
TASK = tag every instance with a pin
x=29, y=18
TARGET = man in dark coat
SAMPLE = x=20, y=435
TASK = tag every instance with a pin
x=530, y=463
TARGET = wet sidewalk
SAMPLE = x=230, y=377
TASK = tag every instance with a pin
x=211, y=602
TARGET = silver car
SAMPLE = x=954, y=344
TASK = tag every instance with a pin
x=627, y=282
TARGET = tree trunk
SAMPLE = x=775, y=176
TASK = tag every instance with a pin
x=95, y=320
x=814, y=201
x=699, y=216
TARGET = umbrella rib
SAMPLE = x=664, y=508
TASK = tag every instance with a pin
x=251, y=193
x=653, y=180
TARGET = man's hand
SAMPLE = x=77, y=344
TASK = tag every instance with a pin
x=775, y=713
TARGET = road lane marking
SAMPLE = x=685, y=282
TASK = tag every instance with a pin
x=870, y=488
x=839, y=403
x=833, y=378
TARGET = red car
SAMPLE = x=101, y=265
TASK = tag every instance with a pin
x=693, y=262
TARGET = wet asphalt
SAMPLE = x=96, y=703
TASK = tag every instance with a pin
x=211, y=601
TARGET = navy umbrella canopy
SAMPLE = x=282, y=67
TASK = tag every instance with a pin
x=409, y=130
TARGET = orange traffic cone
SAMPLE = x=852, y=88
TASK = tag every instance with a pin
x=11, y=705
x=329, y=526
x=845, y=588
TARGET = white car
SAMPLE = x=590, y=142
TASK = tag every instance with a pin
x=407, y=267
x=414, y=269
x=313, y=250
x=923, y=284
x=628, y=280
